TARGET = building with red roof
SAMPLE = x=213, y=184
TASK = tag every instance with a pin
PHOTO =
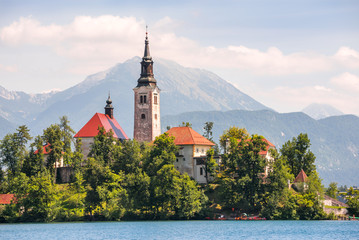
x=192, y=152
x=91, y=128
x=46, y=151
x=6, y=199
x=302, y=177
x=267, y=156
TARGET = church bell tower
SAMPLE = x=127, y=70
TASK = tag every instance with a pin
x=147, y=101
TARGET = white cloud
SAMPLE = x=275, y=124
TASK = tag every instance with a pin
x=8, y=68
x=347, y=82
x=290, y=99
x=91, y=44
x=348, y=57
x=105, y=40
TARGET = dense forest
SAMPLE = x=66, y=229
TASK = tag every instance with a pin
x=130, y=180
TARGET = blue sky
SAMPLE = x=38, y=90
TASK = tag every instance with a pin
x=286, y=54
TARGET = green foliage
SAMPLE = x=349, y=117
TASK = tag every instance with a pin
x=129, y=158
x=163, y=152
x=52, y=136
x=186, y=124
x=208, y=126
x=105, y=148
x=332, y=190
x=174, y=194
x=132, y=180
x=13, y=150
x=242, y=170
x=353, y=201
x=230, y=134
x=298, y=155
x=66, y=137
x=34, y=161
x=210, y=165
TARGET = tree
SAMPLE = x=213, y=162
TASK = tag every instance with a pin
x=353, y=201
x=34, y=198
x=52, y=135
x=105, y=194
x=137, y=185
x=210, y=165
x=66, y=137
x=129, y=158
x=174, y=194
x=332, y=190
x=163, y=152
x=208, y=126
x=298, y=154
x=232, y=133
x=186, y=124
x=13, y=150
x=34, y=162
x=277, y=192
x=242, y=169
x=105, y=148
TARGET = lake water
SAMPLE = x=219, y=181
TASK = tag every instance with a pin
x=184, y=230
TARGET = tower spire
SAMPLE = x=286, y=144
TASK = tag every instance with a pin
x=147, y=77
x=147, y=47
x=109, y=107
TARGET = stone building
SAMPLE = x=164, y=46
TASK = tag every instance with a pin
x=192, y=152
x=107, y=121
x=267, y=156
x=147, y=122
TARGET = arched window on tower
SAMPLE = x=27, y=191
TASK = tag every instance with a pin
x=141, y=99
x=144, y=99
x=155, y=99
x=143, y=116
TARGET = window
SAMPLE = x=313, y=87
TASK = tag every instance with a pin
x=176, y=159
x=202, y=150
x=156, y=116
x=201, y=171
x=144, y=99
x=155, y=99
x=143, y=116
x=184, y=159
x=141, y=99
x=197, y=150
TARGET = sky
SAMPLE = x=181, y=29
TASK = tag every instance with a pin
x=285, y=54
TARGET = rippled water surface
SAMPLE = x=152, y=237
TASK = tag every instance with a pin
x=184, y=230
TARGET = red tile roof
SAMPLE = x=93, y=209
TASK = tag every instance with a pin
x=270, y=145
x=44, y=149
x=101, y=120
x=188, y=136
x=6, y=198
x=302, y=177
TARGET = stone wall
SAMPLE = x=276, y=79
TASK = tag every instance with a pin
x=336, y=211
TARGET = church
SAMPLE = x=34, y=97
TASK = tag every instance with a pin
x=147, y=124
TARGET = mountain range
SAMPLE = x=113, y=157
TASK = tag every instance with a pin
x=187, y=94
x=320, y=111
x=182, y=90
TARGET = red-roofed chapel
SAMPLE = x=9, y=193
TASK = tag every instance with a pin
x=107, y=121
